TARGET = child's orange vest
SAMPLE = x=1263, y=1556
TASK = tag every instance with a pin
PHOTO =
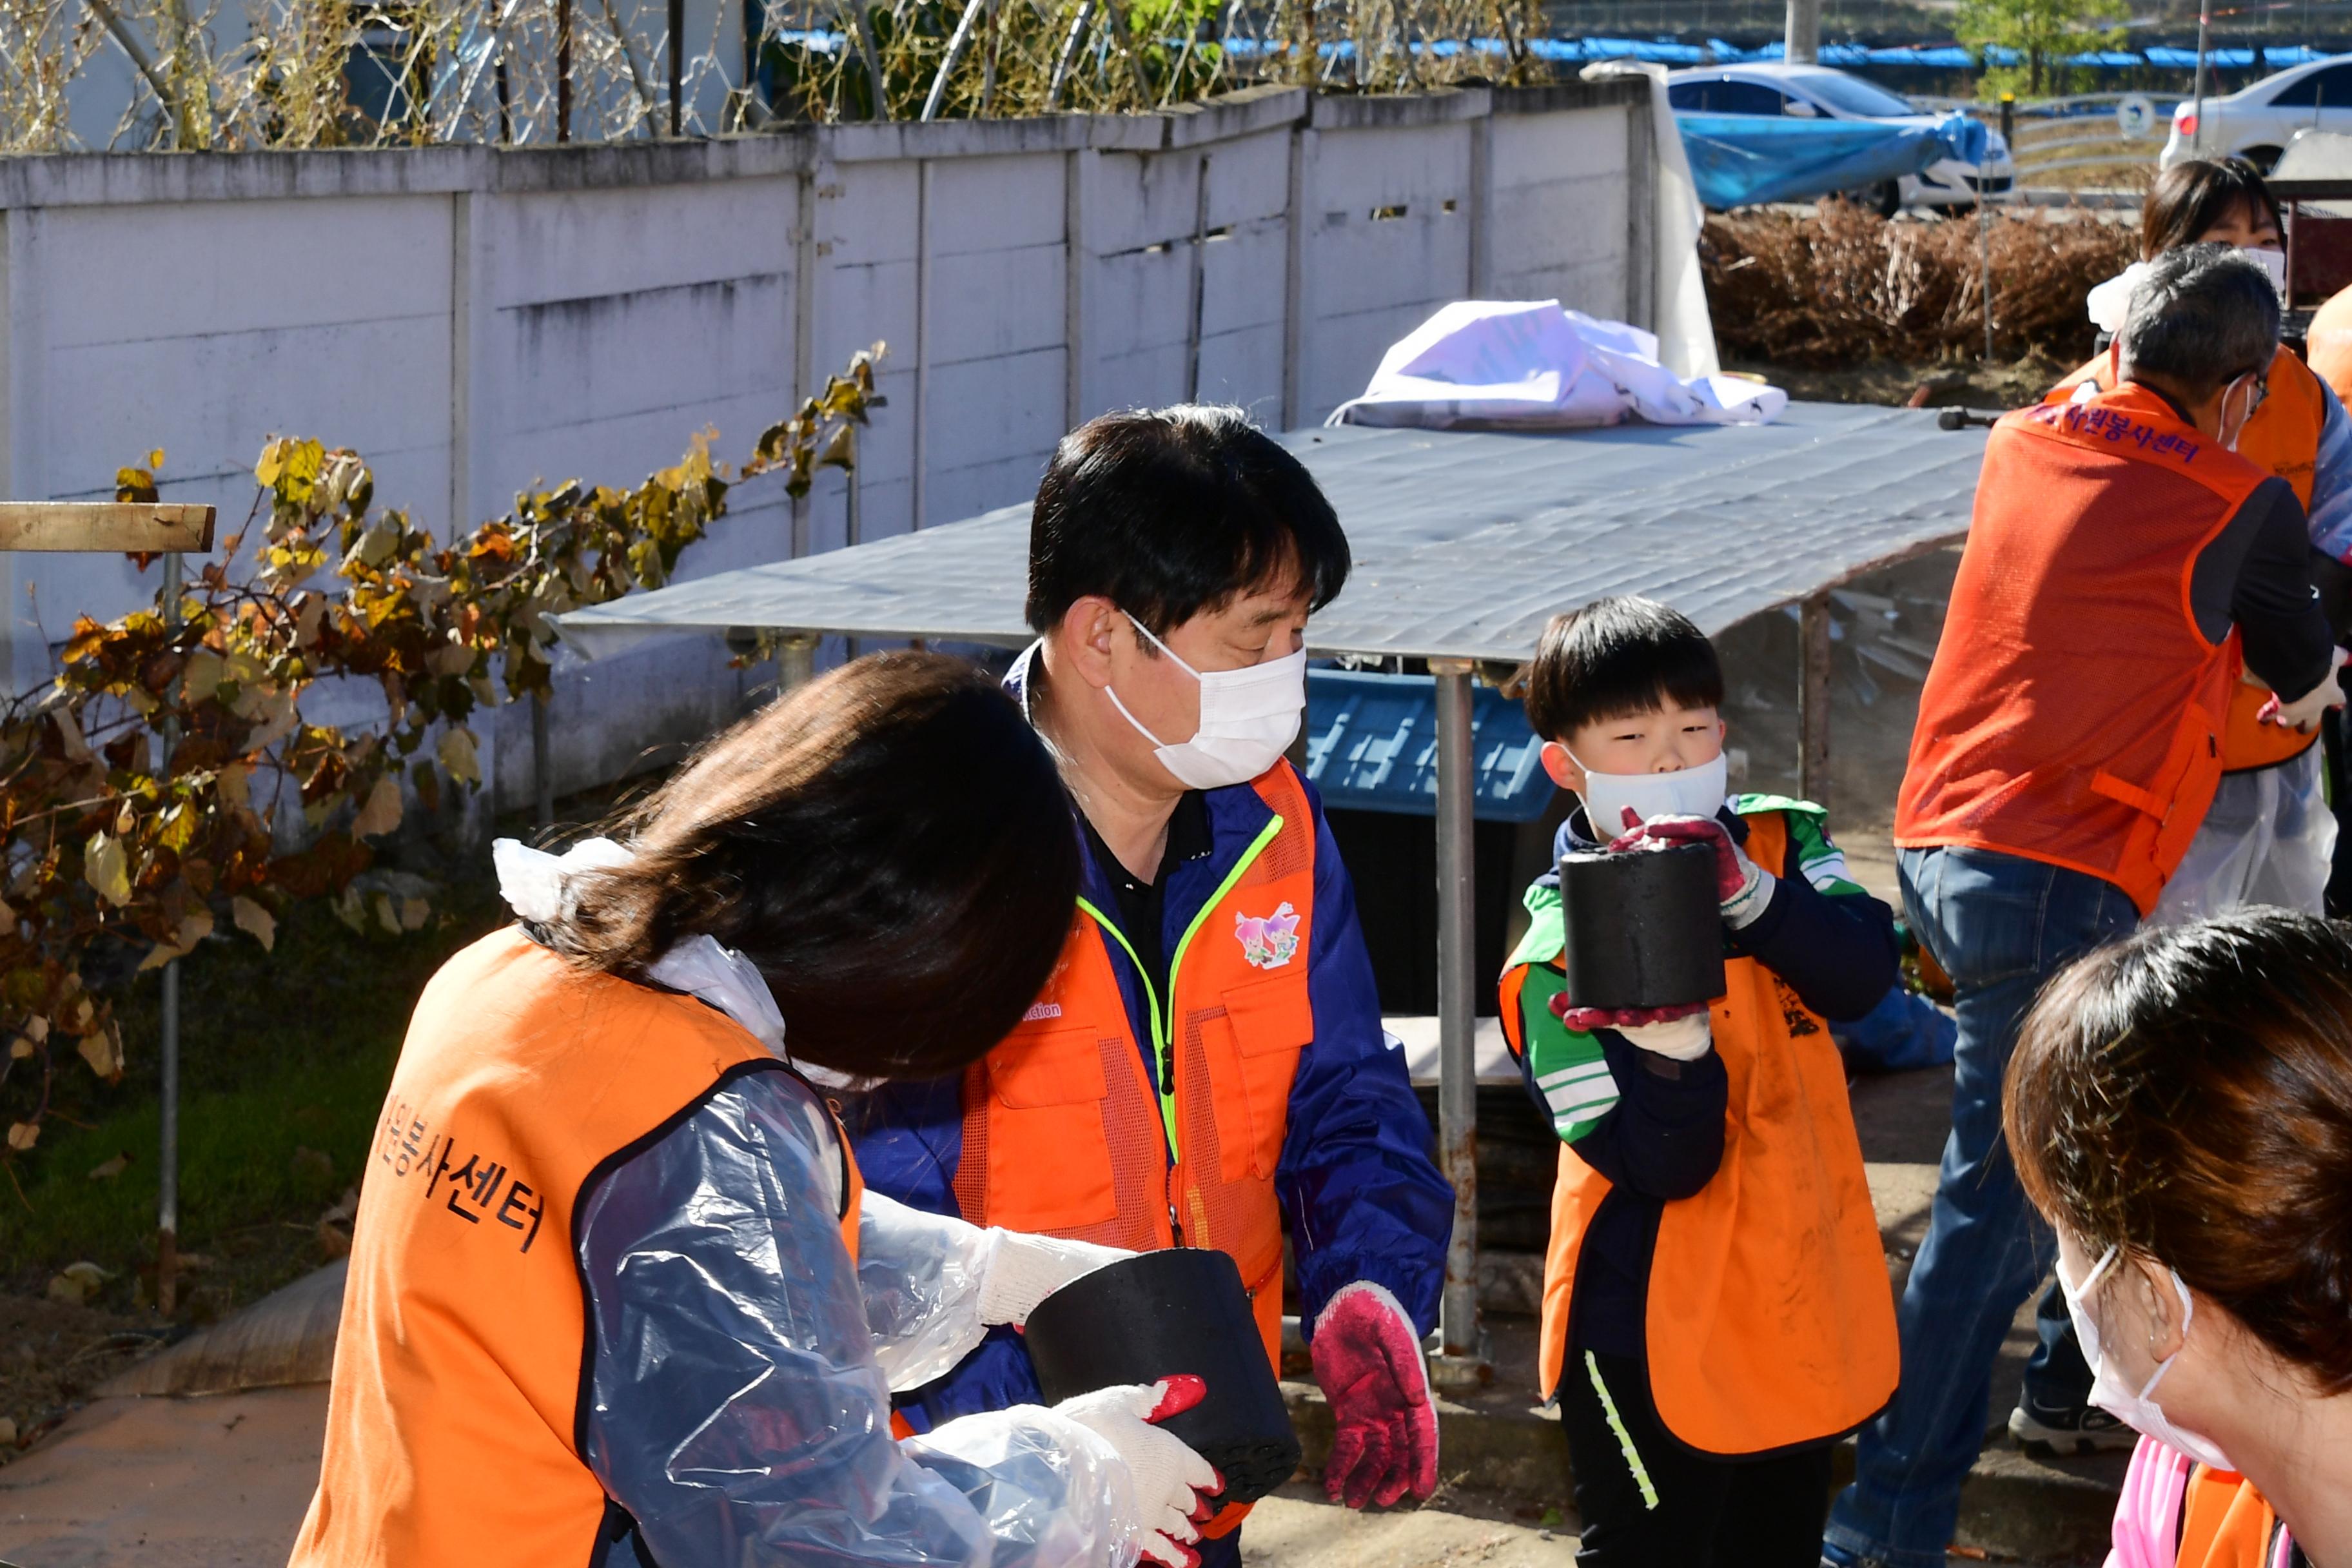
x=1771, y=1321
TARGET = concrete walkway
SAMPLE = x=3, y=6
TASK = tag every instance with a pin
x=215, y=1482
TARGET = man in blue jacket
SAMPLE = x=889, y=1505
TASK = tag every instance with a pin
x=1206, y=1067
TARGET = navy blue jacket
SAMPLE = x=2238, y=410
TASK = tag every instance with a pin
x=1361, y=1195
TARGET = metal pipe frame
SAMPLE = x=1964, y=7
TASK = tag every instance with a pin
x=1462, y=1346
x=1813, y=700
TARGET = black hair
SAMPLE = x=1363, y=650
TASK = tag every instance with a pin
x=1615, y=657
x=891, y=847
x=2202, y=317
x=1173, y=512
x=2193, y=196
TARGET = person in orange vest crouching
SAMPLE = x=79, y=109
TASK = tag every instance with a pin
x=2123, y=564
x=1716, y=1310
x=1206, y=1066
x=2269, y=836
x=617, y=1294
x=2181, y=1109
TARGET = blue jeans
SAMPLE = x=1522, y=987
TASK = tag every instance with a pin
x=2000, y=925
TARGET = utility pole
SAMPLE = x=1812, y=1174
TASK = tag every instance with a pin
x=1804, y=45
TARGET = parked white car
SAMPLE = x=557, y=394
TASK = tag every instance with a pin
x=1824, y=92
x=2256, y=123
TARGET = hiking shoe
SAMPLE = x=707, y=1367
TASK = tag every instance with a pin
x=2084, y=1429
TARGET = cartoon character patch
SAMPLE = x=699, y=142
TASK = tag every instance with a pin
x=1268, y=942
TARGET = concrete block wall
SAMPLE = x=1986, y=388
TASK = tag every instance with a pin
x=476, y=320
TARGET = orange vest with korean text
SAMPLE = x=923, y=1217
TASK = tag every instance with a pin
x=454, y=1426
x=1064, y=1133
x=1770, y=1321
x=2226, y=1523
x=2283, y=439
x=2074, y=709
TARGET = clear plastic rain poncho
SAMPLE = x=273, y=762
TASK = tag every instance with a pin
x=740, y=1367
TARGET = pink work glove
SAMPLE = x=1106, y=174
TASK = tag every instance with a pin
x=1584, y=1020
x=1742, y=887
x=1368, y=1361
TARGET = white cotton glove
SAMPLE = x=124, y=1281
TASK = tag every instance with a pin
x=1024, y=1270
x=1169, y=1480
x=2304, y=712
x=1683, y=1039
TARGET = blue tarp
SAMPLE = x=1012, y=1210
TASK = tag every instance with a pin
x=1717, y=52
x=1740, y=159
x=1372, y=745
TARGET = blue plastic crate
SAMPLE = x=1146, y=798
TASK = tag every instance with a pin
x=1372, y=745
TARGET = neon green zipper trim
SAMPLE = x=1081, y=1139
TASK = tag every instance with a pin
x=1162, y=1047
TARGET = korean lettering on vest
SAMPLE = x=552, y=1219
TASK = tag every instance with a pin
x=2115, y=424
x=472, y=1184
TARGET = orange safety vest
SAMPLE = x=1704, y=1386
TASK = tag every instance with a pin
x=454, y=1426
x=2074, y=711
x=1771, y=1321
x=2284, y=438
x=2226, y=1523
x=1064, y=1133
x=2329, y=343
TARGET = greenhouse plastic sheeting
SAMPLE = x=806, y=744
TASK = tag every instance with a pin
x=1466, y=542
x=1738, y=159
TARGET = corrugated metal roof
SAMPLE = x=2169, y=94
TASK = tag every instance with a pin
x=1466, y=542
x=1372, y=745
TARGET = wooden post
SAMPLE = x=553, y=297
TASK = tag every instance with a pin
x=105, y=528
x=1814, y=701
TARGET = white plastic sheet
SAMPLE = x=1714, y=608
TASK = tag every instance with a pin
x=1532, y=365
x=2268, y=839
x=1685, y=328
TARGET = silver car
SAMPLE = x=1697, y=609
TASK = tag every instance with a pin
x=1824, y=92
x=2256, y=123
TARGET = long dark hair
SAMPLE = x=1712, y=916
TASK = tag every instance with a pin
x=890, y=845
x=2191, y=197
x=2187, y=1095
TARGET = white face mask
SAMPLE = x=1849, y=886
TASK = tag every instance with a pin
x=2140, y=1411
x=1688, y=791
x=2270, y=261
x=1248, y=718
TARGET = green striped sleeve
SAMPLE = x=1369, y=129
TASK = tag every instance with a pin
x=1566, y=1065
x=1809, y=844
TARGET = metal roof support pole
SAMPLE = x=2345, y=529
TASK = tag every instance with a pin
x=1814, y=701
x=1462, y=1358
x=795, y=663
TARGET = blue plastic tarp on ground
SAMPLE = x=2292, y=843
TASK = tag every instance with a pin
x=1740, y=159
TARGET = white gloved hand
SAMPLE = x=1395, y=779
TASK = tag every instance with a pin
x=1168, y=1477
x=1024, y=1270
x=1683, y=1039
x=2304, y=712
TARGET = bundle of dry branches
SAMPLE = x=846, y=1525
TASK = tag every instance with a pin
x=1843, y=285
